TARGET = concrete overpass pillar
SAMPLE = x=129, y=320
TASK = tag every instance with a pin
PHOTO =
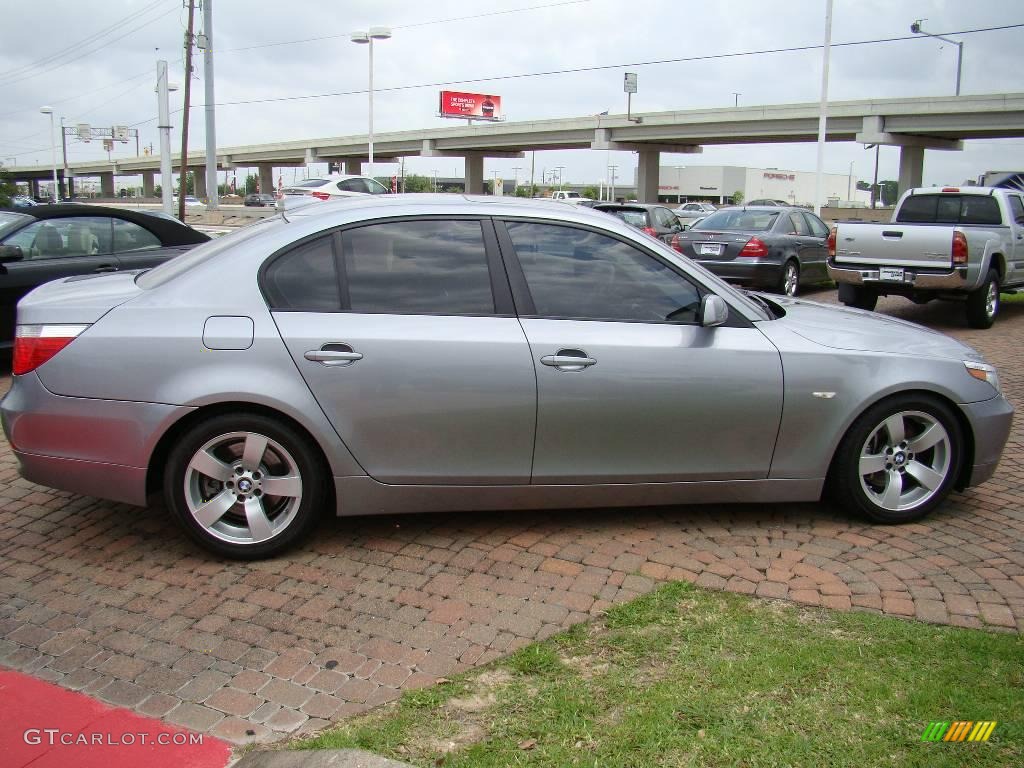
x=354, y=165
x=148, y=186
x=199, y=181
x=474, y=174
x=69, y=185
x=911, y=167
x=33, y=188
x=266, y=178
x=647, y=176
x=107, y=184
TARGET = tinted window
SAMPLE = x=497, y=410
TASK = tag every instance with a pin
x=818, y=227
x=1016, y=208
x=794, y=224
x=949, y=209
x=634, y=216
x=739, y=219
x=418, y=267
x=376, y=188
x=352, y=185
x=305, y=278
x=129, y=236
x=665, y=218
x=574, y=273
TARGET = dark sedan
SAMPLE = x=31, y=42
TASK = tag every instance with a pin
x=260, y=200
x=775, y=248
x=48, y=242
x=656, y=220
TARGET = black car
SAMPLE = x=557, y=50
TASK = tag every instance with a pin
x=775, y=248
x=656, y=220
x=260, y=200
x=47, y=242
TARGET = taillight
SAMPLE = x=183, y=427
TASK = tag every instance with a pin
x=649, y=231
x=676, y=245
x=754, y=247
x=321, y=195
x=951, y=189
x=832, y=242
x=35, y=344
x=959, y=247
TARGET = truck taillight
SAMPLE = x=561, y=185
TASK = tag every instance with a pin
x=959, y=247
x=675, y=244
x=321, y=195
x=754, y=247
x=35, y=344
x=832, y=241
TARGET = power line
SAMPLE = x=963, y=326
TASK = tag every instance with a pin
x=409, y=26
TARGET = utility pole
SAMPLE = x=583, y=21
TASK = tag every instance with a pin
x=182, y=186
x=164, y=111
x=212, y=193
x=64, y=150
x=533, y=162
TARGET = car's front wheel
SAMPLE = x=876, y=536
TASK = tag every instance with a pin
x=244, y=485
x=899, y=459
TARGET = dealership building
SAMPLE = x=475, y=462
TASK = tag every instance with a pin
x=718, y=183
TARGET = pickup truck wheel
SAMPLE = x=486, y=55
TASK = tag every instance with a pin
x=862, y=298
x=983, y=303
x=789, y=284
x=899, y=459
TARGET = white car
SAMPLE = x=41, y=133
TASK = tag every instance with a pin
x=688, y=212
x=335, y=185
x=190, y=201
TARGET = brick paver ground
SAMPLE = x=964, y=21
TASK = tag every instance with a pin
x=112, y=600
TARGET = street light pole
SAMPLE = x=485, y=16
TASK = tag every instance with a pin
x=64, y=155
x=916, y=29
x=53, y=152
x=367, y=38
x=822, y=107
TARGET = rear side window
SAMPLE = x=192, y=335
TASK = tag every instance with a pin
x=129, y=236
x=417, y=267
x=949, y=209
x=305, y=279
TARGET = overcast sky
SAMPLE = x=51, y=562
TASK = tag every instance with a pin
x=109, y=78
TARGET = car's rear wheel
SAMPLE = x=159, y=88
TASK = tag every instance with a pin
x=860, y=297
x=983, y=303
x=899, y=459
x=244, y=485
x=789, y=284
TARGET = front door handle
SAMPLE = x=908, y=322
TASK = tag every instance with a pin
x=333, y=355
x=569, y=360
x=106, y=268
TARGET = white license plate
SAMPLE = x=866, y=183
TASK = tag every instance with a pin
x=890, y=274
x=710, y=249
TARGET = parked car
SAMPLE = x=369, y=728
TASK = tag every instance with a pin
x=426, y=353
x=687, y=212
x=190, y=201
x=768, y=202
x=46, y=242
x=260, y=200
x=775, y=248
x=656, y=220
x=23, y=201
x=568, y=196
x=338, y=185
x=954, y=243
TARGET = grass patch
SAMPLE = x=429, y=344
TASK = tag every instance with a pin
x=687, y=677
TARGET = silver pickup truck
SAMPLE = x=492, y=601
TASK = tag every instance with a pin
x=959, y=243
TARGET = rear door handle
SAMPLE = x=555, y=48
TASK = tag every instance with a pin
x=106, y=268
x=569, y=360
x=333, y=355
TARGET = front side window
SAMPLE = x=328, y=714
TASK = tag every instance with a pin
x=418, y=267
x=1016, y=209
x=579, y=274
x=59, y=238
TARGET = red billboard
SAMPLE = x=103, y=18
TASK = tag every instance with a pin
x=476, y=106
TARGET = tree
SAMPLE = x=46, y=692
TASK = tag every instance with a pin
x=527, y=190
x=889, y=191
x=414, y=183
x=158, y=190
x=591, y=192
x=737, y=197
x=251, y=182
x=863, y=186
x=7, y=189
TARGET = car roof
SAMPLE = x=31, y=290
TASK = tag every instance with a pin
x=165, y=229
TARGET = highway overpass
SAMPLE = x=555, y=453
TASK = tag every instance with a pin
x=915, y=124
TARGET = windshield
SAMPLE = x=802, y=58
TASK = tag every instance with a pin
x=169, y=270
x=9, y=221
x=739, y=219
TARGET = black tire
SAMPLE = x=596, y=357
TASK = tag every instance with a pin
x=862, y=298
x=789, y=280
x=285, y=455
x=983, y=303
x=869, y=433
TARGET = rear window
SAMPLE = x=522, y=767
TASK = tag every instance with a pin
x=739, y=220
x=949, y=209
x=635, y=217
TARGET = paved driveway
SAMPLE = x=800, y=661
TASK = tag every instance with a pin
x=112, y=600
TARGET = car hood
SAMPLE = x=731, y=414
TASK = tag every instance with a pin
x=857, y=330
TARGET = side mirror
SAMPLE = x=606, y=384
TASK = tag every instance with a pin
x=713, y=311
x=10, y=253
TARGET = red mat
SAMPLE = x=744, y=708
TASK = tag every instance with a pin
x=46, y=726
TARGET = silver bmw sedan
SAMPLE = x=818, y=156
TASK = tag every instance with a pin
x=422, y=353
